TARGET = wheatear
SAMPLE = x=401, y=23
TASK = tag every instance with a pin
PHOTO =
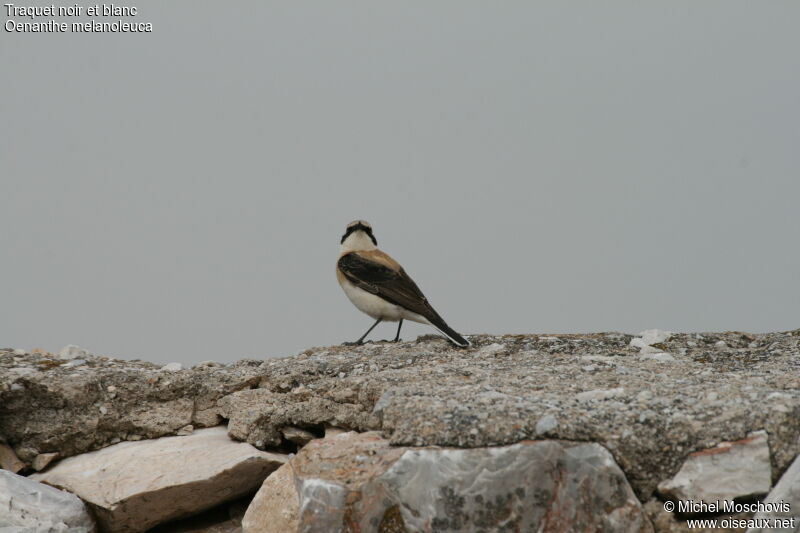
x=378, y=286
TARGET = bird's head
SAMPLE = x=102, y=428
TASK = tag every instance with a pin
x=358, y=237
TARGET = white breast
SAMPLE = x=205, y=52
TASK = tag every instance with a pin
x=375, y=306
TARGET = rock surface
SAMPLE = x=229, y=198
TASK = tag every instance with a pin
x=358, y=482
x=786, y=491
x=9, y=460
x=133, y=486
x=275, y=506
x=26, y=505
x=729, y=471
x=48, y=407
x=650, y=400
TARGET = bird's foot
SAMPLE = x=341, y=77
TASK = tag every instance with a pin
x=397, y=339
x=355, y=343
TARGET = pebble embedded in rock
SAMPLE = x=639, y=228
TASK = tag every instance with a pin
x=546, y=424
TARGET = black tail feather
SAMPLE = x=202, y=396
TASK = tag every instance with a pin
x=451, y=334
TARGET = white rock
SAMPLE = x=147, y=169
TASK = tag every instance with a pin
x=738, y=469
x=492, y=349
x=28, y=506
x=546, y=424
x=599, y=394
x=172, y=367
x=637, y=342
x=71, y=351
x=647, y=349
x=644, y=396
x=19, y=351
x=133, y=486
x=654, y=336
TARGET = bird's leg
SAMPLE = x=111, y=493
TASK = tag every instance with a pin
x=397, y=337
x=361, y=340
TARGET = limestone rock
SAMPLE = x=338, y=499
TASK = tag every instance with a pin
x=358, y=482
x=257, y=416
x=72, y=352
x=427, y=393
x=133, y=486
x=739, y=469
x=655, y=336
x=26, y=505
x=49, y=407
x=275, y=506
x=783, y=501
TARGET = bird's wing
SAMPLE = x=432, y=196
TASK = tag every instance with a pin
x=391, y=284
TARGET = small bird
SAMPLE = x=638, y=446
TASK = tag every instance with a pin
x=378, y=286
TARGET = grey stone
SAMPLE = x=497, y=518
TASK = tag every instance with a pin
x=133, y=486
x=357, y=482
x=731, y=470
x=26, y=505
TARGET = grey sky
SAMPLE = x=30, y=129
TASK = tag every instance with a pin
x=536, y=167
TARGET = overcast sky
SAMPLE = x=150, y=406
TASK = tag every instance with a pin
x=536, y=167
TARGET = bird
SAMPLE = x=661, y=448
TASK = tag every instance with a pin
x=378, y=286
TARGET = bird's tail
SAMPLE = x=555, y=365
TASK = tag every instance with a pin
x=451, y=334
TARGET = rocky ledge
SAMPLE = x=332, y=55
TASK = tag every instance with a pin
x=600, y=432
